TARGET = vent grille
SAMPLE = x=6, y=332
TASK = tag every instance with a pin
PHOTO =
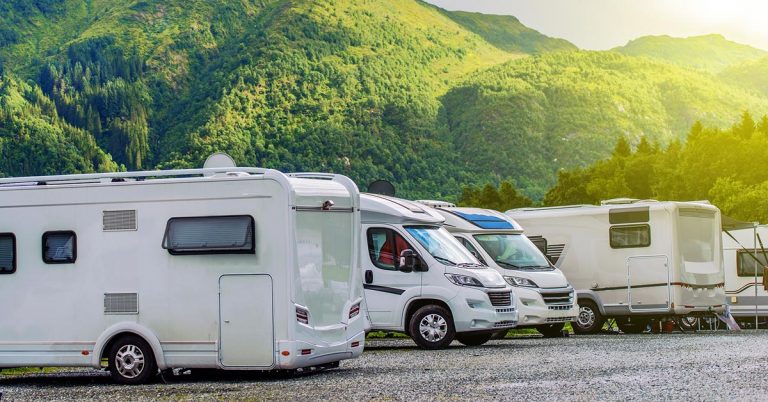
x=505, y=310
x=504, y=324
x=558, y=298
x=561, y=319
x=120, y=220
x=500, y=298
x=554, y=251
x=562, y=308
x=121, y=303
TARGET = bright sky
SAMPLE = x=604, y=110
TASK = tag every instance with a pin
x=603, y=24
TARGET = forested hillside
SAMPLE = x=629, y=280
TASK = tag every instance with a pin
x=722, y=166
x=398, y=89
x=711, y=53
x=531, y=117
x=751, y=75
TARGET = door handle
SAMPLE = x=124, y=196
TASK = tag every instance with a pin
x=368, y=276
x=226, y=321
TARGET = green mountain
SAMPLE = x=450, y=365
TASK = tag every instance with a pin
x=529, y=118
x=708, y=52
x=508, y=33
x=750, y=75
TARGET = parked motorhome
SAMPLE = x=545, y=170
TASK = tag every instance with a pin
x=634, y=260
x=745, y=260
x=228, y=268
x=545, y=300
x=419, y=280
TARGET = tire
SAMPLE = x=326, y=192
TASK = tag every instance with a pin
x=687, y=323
x=431, y=327
x=131, y=361
x=632, y=325
x=589, y=320
x=551, y=330
x=473, y=339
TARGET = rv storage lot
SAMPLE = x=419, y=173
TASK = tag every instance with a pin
x=701, y=366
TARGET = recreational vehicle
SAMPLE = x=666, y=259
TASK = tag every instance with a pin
x=745, y=259
x=545, y=300
x=634, y=260
x=228, y=268
x=419, y=280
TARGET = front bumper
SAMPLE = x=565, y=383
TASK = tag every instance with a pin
x=535, y=311
x=473, y=312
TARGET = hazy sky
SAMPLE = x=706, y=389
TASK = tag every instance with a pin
x=603, y=24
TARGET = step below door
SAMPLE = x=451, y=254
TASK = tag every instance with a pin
x=246, y=325
x=648, y=283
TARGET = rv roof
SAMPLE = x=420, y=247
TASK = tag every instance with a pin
x=378, y=208
x=478, y=219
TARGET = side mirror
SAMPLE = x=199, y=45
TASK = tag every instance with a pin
x=765, y=278
x=408, y=261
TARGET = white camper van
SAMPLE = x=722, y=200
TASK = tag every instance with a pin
x=419, y=280
x=745, y=259
x=545, y=299
x=229, y=268
x=634, y=260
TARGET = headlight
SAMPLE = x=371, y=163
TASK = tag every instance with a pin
x=463, y=280
x=518, y=281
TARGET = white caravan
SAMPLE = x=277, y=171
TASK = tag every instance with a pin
x=745, y=260
x=229, y=268
x=545, y=300
x=634, y=260
x=419, y=280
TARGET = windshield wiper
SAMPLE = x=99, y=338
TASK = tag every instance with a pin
x=508, y=264
x=536, y=267
x=443, y=259
x=469, y=264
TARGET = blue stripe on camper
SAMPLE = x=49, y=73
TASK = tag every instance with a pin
x=486, y=221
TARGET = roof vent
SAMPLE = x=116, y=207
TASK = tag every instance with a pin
x=624, y=201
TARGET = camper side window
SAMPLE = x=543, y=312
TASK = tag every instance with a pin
x=746, y=264
x=7, y=253
x=59, y=247
x=630, y=236
x=384, y=245
x=210, y=235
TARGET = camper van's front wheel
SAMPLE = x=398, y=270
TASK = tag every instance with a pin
x=131, y=360
x=589, y=320
x=431, y=327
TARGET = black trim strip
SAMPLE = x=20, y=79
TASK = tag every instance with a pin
x=743, y=288
x=385, y=289
x=651, y=285
x=321, y=209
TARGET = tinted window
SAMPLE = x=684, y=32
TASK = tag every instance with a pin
x=384, y=246
x=59, y=247
x=7, y=253
x=630, y=236
x=210, y=235
x=746, y=264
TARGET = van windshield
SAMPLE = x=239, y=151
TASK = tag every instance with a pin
x=513, y=251
x=442, y=246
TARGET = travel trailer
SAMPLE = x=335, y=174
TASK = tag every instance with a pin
x=229, y=268
x=745, y=260
x=633, y=260
x=545, y=300
x=419, y=280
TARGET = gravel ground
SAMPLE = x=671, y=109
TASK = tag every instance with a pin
x=703, y=366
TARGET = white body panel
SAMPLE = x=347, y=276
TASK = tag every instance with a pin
x=232, y=311
x=676, y=273
x=744, y=290
x=390, y=293
x=536, y=305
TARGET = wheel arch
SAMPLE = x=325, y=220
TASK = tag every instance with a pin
x=111, y=334
x=416, y=304
x=588, y=295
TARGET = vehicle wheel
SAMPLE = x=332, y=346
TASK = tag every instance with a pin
x=131, y=361
x=632, y=325
x=688, y=323
x=473, y=339
x=431, y=327
x=551, y=330
x=589, y=320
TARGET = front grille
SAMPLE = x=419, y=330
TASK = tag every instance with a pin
x=561, y=319
x=557, y=297
x=504, y=324
x=500, y=298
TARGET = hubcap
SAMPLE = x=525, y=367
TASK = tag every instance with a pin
x=586, y=317
x=129, y=361
x=433, y=327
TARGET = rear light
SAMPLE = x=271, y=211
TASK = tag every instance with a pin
x=354, y=310
x=302, y=315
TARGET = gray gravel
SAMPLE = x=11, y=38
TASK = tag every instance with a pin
x=702, y=366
